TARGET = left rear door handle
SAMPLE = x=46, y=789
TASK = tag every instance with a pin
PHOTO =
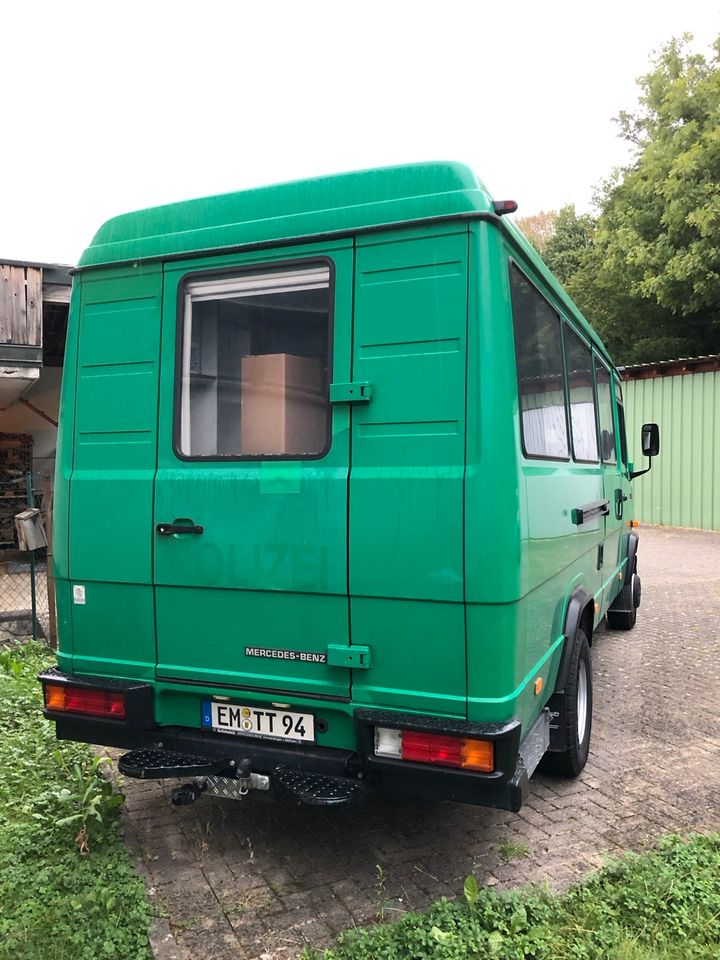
x=167, y=529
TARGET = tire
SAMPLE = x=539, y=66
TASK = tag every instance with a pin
x=574, y=709
x=630, y=597
x=621, y=620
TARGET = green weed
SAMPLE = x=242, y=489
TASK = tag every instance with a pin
x=513, y=850
x=661, y=905
x=67, y=886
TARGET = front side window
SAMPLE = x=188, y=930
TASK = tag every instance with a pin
x=578, y=360
x=605, y=413
x=541, y=381
x=254, y=365
x=621, y=422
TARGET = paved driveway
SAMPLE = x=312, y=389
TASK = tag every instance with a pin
x=259, y=879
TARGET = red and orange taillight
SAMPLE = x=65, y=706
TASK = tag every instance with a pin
x=63, y=698
x=463, y=753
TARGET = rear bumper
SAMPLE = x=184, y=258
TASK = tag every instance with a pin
x=506, y=787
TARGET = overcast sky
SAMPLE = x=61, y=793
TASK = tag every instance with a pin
x=110, y=107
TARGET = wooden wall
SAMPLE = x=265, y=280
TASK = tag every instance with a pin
x=21, y=305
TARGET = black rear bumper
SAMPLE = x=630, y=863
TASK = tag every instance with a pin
x=506, y=787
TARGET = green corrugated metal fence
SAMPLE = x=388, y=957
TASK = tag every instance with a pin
x=683, y=487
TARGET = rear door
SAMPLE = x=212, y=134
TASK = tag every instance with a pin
x=250, y=512
x=408, y=461
x=111, y=488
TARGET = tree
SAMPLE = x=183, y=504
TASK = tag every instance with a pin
x=538, y=228
x=570, y=242
x=651, y=276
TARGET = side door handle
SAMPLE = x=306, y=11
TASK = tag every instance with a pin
x=598, y=508
x=620, y=499
x=168, y=529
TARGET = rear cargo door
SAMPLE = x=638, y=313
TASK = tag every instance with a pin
x=250, y=512
x=111, y=488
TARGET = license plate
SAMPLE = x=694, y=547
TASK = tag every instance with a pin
x=257, y=721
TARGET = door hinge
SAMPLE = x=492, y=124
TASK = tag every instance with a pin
x=354, y=658
x=358, y=392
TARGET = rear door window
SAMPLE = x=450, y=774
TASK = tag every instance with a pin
x=253, y=377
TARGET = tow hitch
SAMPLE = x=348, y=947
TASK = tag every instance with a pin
x=233, y=779
x=158, y=764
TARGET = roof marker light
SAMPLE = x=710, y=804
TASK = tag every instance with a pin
x=504, y=206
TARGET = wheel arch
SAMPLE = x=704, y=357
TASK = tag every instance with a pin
x=579, y=615
x=632, y=548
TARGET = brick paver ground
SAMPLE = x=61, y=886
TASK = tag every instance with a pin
x=258, y=879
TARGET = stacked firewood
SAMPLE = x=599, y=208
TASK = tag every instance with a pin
x=15, y=464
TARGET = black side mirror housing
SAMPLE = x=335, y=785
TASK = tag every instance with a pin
x=650, y=439
x=650, y=443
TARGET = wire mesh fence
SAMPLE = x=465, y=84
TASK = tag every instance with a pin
x=26, y=595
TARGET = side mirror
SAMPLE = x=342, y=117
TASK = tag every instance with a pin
x=650, y=439
x=650, y=443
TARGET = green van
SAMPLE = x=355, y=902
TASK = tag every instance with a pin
x=342, y=493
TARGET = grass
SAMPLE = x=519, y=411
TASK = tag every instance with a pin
x=513, y=850
x=67, y=885
x=660, y=905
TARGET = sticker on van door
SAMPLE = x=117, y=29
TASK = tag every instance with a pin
x=78, y=593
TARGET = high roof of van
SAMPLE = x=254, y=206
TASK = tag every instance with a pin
x=344, y=202
x=321, y=207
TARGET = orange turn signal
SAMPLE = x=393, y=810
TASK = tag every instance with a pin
x=54, y=696
x=478, y=755
x=538, y=685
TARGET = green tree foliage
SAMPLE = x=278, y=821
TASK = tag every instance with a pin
x=656, y=251
x=665, y=215
x=570, y=242
x=647, y=272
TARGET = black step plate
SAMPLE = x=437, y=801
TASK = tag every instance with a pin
x=151, y=763
x=318, y=788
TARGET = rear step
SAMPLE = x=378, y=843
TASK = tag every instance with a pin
x=319, y=789
x=150, y=763
x=232, y=779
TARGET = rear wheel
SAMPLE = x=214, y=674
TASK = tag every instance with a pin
x=628, y=600
x=574, y=715
x=621, y=619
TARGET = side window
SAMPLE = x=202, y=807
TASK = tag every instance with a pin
x=605, y=413
x=621, y=422
x=253, y=372
x=541, y=381
x=578, y=361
